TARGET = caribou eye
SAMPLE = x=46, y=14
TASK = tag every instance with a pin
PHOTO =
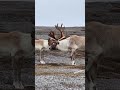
x=57, y=42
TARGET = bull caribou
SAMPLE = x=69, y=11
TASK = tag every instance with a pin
x=18, y=45
x=101, y=41
x=71, y=43
x=41, y=45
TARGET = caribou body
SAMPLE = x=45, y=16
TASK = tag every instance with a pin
x=71, y=43
x=101, y=41
x=18, y=45
x=41, y=45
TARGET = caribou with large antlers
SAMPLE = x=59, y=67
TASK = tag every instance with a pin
x=71, y=43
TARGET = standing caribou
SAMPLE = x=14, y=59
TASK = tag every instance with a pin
x=71, y=43
x=18, y=45
x=101, y=41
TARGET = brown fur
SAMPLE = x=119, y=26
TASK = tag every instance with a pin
x=39, y=42
x=100, y=39
x=14, y=41
x=12, y=38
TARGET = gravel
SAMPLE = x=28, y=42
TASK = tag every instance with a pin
x=59, y=83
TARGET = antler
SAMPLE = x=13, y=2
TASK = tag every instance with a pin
x=61, y=29
x=52, y=34
x=56, y=26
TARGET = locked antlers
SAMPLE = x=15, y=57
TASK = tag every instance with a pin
x=61, y=29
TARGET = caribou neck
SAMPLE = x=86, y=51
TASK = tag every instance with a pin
x=45, y=44
x=63, y=44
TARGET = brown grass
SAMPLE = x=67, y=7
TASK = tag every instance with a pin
x=52, y=70
x=59, y=73
x=60, y=66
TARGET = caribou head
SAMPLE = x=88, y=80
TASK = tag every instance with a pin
x=53, y=41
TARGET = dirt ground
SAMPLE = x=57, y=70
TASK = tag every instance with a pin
x=6, y=74
x=59, y=74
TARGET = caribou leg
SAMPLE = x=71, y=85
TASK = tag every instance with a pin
x=94, y=55
x=72, y=56
x=40, y=57
x=17, y=71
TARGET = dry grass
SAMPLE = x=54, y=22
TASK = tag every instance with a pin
x=60, y=66
x=59, y=73
x=56, y=70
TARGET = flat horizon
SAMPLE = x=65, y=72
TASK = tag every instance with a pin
x=54, y=26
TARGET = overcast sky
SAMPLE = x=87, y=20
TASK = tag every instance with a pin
x=101, y=0
x=68, y=12
x=86, y=0
x=17, y=0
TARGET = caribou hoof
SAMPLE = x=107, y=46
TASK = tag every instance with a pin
x=18, y=85
x=73, y=63
x=42, y=62
x=92, y=86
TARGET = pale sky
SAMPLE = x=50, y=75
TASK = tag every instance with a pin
x=101, y=0
x=68, y=12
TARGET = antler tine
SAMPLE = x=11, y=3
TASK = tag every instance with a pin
x=62, y=28
x=52, y=34
x=62, y=32
x=61, y=25
x=56, y=26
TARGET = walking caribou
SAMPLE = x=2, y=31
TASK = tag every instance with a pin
x=18, y=45
x=71, y=43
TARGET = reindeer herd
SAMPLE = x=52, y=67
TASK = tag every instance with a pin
x=101, y=41
x=63, y=43
x=20, y=45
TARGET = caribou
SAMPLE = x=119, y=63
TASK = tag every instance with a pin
x=71, y=43
x=41, y=45
x=18, y=45
x=101, y=41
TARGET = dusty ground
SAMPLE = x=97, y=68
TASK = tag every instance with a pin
x=6, y=74
x=51, y=77
x=58, y=73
